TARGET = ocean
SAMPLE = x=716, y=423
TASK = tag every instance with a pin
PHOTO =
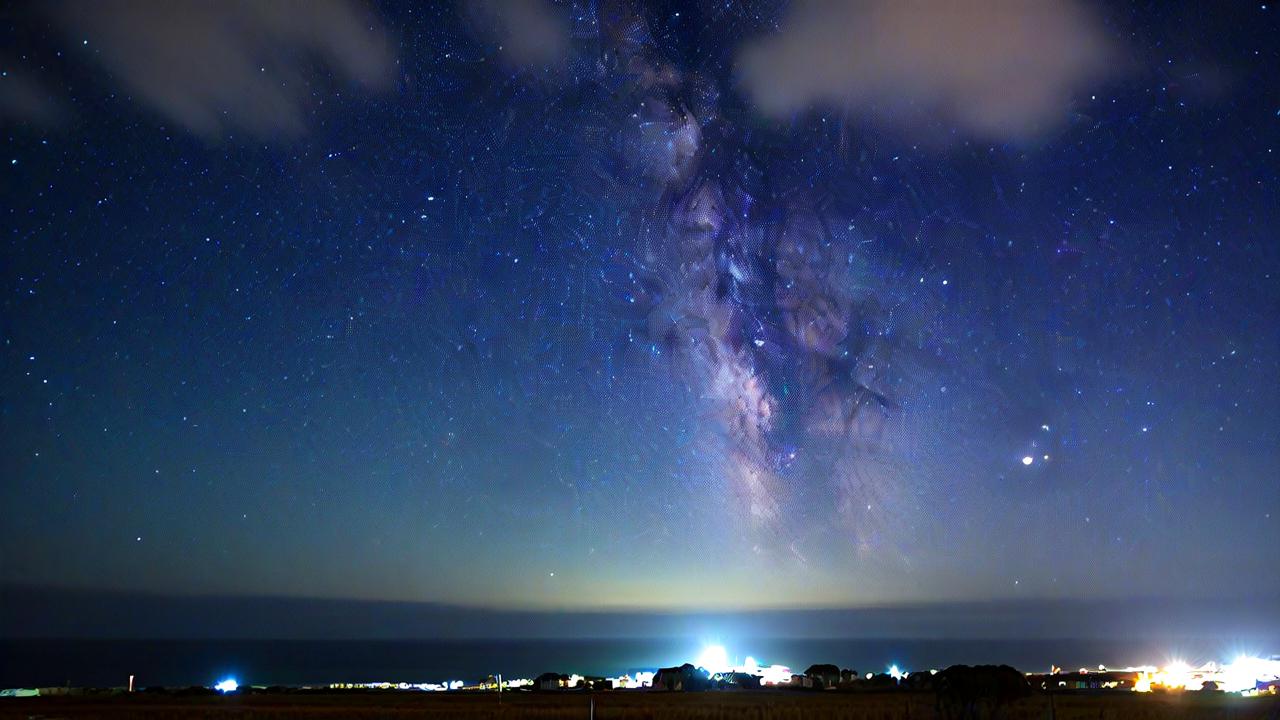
x=106, y=663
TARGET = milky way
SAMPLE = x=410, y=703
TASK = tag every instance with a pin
x=648, y=304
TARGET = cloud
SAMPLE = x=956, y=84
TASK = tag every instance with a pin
x=997, y=69
x=531, y=32
x=220, y=66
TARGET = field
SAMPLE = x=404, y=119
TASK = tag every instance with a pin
x=641, y=706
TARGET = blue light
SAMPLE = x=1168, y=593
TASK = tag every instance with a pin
x=226, y=685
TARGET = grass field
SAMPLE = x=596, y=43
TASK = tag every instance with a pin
x=643, y=706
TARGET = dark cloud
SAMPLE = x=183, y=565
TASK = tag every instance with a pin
x=215, y=67
x=999, y=69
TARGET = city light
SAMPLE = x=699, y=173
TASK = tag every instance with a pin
x=1246, y=671
x=642, y=679
x=1247, y=675
x=227, y=685
x=426, y=686
x=1242, y=675
x=714, y=659
x=775, y=675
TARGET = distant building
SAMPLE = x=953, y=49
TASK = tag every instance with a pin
x=594, y=683
x=1100, y=680
x=826, y=677
x=678, y=679
x=552, y=681
x=801, y=681
x=743, y=680
x=641, y=679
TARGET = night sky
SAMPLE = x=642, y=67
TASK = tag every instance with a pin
x=664, y=306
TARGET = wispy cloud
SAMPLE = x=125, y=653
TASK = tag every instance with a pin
x=230, y=65
x=997, y=69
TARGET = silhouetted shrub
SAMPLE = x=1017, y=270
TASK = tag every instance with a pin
x=980, y=691
x=824, y=676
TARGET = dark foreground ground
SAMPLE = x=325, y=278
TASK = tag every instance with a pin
x=646, y=705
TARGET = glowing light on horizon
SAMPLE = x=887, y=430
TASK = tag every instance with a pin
x=1241, y=675
x=227, y=685
x=1246, y=670
x=775, y=675
x=714, y=659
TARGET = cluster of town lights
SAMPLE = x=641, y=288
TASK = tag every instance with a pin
x=1241, y=675
x=714, y=659
x=1246, y=674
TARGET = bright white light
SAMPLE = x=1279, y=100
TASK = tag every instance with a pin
x=775, y=675
x=1177, y=675
x=895, y=673
x=714, y=659
x=1027, y=460
x=227, y=685
x=1246, y=671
